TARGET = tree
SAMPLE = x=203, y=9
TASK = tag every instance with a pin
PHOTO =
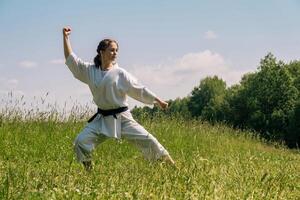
x=206, y=99
x=179, y=107
x=294, y=69
x=292, y=137
x=266, y=99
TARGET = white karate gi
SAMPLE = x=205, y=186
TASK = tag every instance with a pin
x=110, y=89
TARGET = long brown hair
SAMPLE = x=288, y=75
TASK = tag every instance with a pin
x=103, y=45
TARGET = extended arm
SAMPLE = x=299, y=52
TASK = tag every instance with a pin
x=130, y=86
x=67, y=44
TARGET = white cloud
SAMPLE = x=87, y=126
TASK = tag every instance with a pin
x=8, y=84
x=57, y=61
x=12, y=83
x=177, y=78
x=209, y=35
x=27, y=64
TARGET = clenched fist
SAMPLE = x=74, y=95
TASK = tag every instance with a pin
x=162, y=104
x=66, y=31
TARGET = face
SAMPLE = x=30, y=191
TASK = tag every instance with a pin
x=110, y=53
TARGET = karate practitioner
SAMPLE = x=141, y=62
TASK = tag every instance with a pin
x=110, y=86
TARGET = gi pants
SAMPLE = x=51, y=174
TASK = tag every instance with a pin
x=133, y=132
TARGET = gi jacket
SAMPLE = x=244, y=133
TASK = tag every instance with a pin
x=110, y=90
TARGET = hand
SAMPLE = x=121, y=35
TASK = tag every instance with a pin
x=66, y=31
x=162, y=104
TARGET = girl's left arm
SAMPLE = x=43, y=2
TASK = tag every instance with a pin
x=134, y=89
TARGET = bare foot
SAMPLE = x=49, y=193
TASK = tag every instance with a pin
x=87, y=165
x=168, y=159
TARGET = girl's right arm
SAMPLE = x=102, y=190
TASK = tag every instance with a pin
x=79, y=68
x=67, y=44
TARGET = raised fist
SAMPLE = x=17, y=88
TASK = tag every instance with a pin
x=66, y=31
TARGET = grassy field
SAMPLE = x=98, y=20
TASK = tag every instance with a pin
x=214, y=162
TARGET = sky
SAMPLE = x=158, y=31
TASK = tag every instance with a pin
x=169, y=45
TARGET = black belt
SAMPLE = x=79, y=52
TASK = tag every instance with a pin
x=112, y=112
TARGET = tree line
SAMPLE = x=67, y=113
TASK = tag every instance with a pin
x=267, y=101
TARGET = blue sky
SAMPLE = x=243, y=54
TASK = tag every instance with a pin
x=169, y=45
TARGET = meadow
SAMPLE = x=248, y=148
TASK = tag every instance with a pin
x=212, y=162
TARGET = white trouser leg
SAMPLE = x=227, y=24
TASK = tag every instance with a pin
x=143, y=140
x=86, y=142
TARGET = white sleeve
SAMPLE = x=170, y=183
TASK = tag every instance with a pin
x=129, y=85
x=78, y=67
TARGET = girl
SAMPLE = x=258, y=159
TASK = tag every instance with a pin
x=110, y=86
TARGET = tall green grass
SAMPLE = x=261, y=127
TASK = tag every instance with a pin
x=213, y=162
